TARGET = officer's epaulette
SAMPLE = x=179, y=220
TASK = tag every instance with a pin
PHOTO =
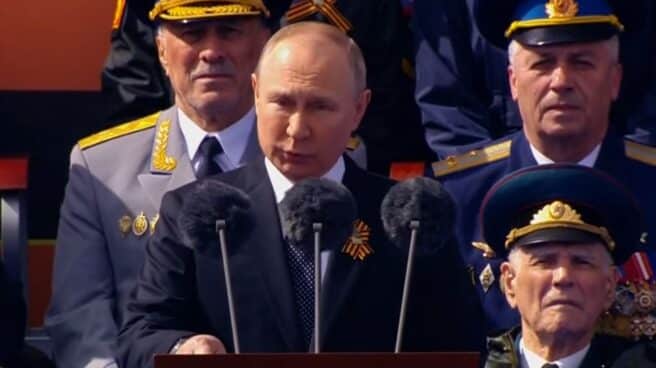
x=471, y=159
x=119, y=131
x=640, y=152
x=353, y=143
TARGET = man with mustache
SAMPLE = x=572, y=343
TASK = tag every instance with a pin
x=208, y=49
x=564, y=75
x=562, y=229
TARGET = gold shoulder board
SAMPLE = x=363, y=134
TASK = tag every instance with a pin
x=640, y=152
x=119, y=131
x=471, y=159
x=353, y=143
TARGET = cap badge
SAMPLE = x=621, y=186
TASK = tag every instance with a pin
x=357, y=245
x=561, y=8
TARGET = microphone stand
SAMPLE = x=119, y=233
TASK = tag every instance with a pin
x=414, y=228
x=220, y=229
x=317, y=227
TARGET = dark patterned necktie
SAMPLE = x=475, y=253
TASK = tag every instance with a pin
x=208, y=150
x=301, y=265
x=549, y=365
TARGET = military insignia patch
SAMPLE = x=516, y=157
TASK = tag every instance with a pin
x=140, y=224
x=487, y=277
x=153, y=223
x=124, y=224
x=357, y=245
x=561, y=8
x=161, y=161
x=488, y=252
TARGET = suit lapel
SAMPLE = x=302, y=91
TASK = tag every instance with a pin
x=343, y=272
x=170, y=166
x=271, y=257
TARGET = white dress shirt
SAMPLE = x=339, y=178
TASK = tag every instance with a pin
x=529, y=359
x=233, y=140
x=281, y=185
x=588, y=160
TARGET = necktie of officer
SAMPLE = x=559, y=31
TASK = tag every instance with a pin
x=301, y=263
x=208, y=150
x=550, y=365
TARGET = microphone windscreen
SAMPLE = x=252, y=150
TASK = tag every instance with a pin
x=419, y=199
x=317, y=200
x=211, y=200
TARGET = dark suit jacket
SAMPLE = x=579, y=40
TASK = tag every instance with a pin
x=12, y=318
x=469, y=186
x=181, y=292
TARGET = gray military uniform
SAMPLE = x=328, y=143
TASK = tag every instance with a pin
x=116, y=181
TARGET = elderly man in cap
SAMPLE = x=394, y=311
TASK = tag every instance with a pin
x=562, y=228
x=564, y=75
x=208, y=49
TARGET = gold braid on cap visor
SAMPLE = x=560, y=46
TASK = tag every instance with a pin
x=190, y=9
x=564, y=21
x=558, y=215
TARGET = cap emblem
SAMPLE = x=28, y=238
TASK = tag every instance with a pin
x=561, y=8
x=558, y=214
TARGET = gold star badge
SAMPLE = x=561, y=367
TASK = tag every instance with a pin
x=357, y=245
x=561, y=8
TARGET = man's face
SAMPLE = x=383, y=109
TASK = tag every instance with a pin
x=307, y=106
x=559, y=289
x=565, y=91
x=209, y=64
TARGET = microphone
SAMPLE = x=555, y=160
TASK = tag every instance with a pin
x=418, y=214
x=319, y=214
x=212, y=208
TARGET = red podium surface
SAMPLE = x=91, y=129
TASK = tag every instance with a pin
x=323, y=360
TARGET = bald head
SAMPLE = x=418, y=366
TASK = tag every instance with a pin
x=317, y=35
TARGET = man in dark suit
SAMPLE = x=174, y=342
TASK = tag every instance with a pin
x=562, y=229
x=118, y=176
x=310, y=94
x=564, y=76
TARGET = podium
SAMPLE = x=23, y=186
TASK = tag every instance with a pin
x=323, y=360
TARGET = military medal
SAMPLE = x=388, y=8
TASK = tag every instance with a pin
x=153, y=223
x=124, y=224
x=140, y=224
x=357, y=245
x=487, y=277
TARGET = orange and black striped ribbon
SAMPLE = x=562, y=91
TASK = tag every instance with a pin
x=303, y=9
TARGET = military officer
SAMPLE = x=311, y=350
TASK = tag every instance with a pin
x=564, y=74
x=462, y=88
x=117, y=177
x=561, y=229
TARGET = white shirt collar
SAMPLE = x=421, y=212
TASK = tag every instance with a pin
x=281, y=184
x=588, y=160
x=531, y=360
x=233, y=139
